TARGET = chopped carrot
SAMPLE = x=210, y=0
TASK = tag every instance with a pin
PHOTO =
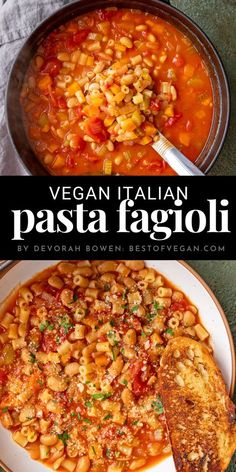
x=59, y=162
x=74, y=87
x=45, y=82
x=184, y=138
x=188, y=71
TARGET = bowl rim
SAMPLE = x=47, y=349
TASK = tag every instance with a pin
x=199, y=278
x=223, y=127
x=11, y=264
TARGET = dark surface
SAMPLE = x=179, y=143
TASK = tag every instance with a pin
x=221, y=277
x=217, y=18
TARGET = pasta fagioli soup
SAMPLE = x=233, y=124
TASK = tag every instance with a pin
x=80, y=348
x=101, y=86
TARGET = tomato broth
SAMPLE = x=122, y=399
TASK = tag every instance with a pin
x=101, y=86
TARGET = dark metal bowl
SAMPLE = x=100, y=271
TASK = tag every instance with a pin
x=157, y=7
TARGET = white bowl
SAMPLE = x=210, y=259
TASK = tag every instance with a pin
x=15, y=459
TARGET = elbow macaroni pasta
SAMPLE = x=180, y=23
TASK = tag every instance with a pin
x=78, y=377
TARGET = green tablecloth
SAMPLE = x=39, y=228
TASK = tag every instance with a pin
x=217, y=19
x=221, y=278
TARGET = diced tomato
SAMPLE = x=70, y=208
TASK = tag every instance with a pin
x=139, y=387
x=51, y=290
x=52, y=66
x=79, y=111
x=95, y=128
x=178, y=61
x=58, y=293
x=3, y=376
x=178, y=306
x=105, y=15
x=155, y=104
x=76, y=39
x=70, y=161
x=81, y=144
x=61, y=102
x=79, y=37
x=69, y=43
x=172, y=120
x=141, y=375
x=48, y=343
x=102, y=338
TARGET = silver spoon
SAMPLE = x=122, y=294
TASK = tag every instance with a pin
x=176, y=160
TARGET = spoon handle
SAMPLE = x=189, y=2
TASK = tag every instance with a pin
x=179, y=163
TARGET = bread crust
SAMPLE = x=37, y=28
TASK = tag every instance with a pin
x=199, y=413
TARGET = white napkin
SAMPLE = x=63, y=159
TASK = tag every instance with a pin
x=18, y=18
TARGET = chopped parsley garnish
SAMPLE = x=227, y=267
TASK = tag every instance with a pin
x=40, y=382
x=64, y=437
x=50, y=327
x=32, y=358
x=73, y=413
x=112, y=334
x=157, y=306
x=75, y=297
x=143, y=334
x=169, y=331
x=124, y=294
x=124, y=306
x=86, y=420
x=42, y=327
x=88, y=404
x=79, y=416
x=5, y=409
x=112, y=323
x=101, y=396
x=66, y=324
x=135, y=423
x=46, y=325
x=134, y=308
x=107, y=287
x=125, y=382
x=114, y=355
x=107, y=417
x=58, y=339
x=120, y=432
x=108, y=453
x=151, y=316
x=157, y=406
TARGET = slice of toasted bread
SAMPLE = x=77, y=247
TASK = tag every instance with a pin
x=199, y=413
